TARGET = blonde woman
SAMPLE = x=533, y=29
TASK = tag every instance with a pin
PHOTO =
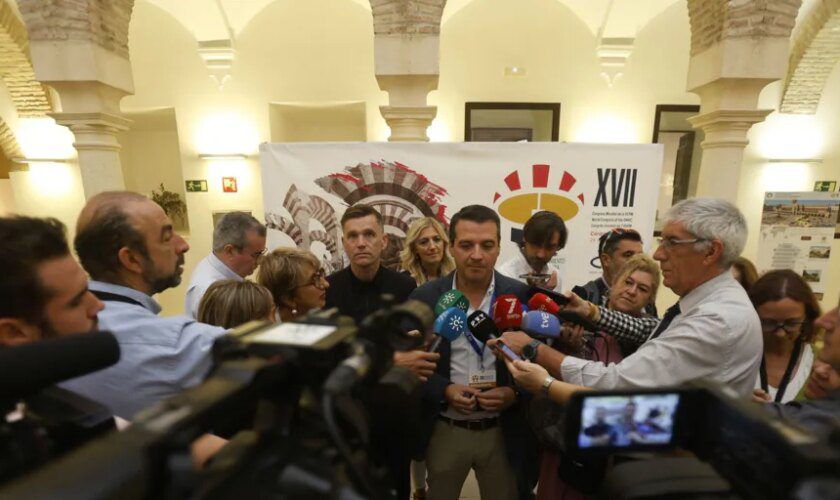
x=230, y=303
x=296, y=280
x=426, y=253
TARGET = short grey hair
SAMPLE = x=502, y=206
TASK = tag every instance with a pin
x=233, y=228
x=712, y=219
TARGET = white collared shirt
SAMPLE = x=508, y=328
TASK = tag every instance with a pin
x=207, y=272
x=517, y=266
x=716, y=336
x=462, y=355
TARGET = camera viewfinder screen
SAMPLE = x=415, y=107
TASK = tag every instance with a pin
x=625, y=421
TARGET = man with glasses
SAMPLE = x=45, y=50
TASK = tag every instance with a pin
x=543, y=235
x=713, y=332
x=238, y=243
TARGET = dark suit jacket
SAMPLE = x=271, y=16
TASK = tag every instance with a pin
x=520, y=442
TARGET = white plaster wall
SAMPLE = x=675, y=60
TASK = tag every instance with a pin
x=558, y=51
x=7, y=198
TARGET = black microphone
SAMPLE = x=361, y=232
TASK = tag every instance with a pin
x=482, y=327
x=26, y=369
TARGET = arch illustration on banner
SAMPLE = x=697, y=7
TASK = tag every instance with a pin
x=593, y=187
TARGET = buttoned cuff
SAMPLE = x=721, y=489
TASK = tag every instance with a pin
x=572, y=369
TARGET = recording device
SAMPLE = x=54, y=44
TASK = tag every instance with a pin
x=301, y=399
x=541, y=324
x=543, y=302
x=28, y=372
x=452, y=298
x=507, y=313
x=507, y=351
x=760, y=456
x=449, y=325
x=482, y=327
x=536, y=279
x=56, y=359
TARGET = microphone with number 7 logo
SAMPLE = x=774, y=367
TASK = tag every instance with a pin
x=507, y=313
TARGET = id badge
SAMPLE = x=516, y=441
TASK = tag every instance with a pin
x=482, y=378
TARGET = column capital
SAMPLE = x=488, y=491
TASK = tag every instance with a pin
x=94, y=131
x=408, y=123
x=727, y=128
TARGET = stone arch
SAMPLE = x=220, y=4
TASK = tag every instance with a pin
x=407, y=17
x=715, y=20
x=814, y=53
x=103, y=22
x=29, y=96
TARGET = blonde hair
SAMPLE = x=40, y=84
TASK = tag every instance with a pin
x=230, y=303
x=410, y=261
x=281, y=271
x=641, y=262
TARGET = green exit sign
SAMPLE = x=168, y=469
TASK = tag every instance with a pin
x=196, y=186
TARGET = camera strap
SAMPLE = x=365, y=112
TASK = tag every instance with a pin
x=794, y=359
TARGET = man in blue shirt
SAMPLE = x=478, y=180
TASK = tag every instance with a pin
x=128, y=246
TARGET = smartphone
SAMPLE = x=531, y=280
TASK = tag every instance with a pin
x=507, y=351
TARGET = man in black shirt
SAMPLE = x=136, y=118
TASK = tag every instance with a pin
x=357, y=292
x=357, y=289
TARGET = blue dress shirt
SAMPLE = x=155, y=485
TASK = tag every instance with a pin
x=159, y=356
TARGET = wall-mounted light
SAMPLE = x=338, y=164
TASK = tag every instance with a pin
x=32, y=161
x=515, y=71
x=794, y=160
x=223, y=157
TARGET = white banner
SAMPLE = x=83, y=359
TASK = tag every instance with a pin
x=797, y=230
x=594, y=187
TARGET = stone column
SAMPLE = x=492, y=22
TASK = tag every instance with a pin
x=99, y=152
x=407, y=68
x=728, y=77
x=80, y=49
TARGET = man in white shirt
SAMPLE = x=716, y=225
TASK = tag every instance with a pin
x=543, y=235
x=713, y=332
x=238, y=243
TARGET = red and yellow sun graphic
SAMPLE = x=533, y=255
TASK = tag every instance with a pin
x=518, y=202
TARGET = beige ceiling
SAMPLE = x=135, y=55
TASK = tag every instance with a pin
x=205, y=19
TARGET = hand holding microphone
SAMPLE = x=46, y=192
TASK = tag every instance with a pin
x=449, y=325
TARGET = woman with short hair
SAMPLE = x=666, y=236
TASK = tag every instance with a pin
x=296, y=280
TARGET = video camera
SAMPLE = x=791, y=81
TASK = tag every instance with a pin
x=295, y=400
x=761, y=457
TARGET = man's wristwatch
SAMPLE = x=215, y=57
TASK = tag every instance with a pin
x=529, y=351
x=547, y=384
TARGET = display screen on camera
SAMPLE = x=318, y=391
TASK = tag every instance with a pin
x=624, y=421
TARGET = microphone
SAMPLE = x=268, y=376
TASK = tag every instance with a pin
x=543, y=302
x=452, y=298
x=449, y=325
x=26, y=369
x=507, y=313
x=482, y=327
x=541, y=324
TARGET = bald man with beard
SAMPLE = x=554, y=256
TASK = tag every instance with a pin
x=128, y=245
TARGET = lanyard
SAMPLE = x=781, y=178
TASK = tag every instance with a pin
x=474, y=343
x=794, y=358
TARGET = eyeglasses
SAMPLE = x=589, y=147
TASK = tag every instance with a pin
x=317, y=280
x=788, y=325
x=616, y=232
x=672, y=242
x=259, y=254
